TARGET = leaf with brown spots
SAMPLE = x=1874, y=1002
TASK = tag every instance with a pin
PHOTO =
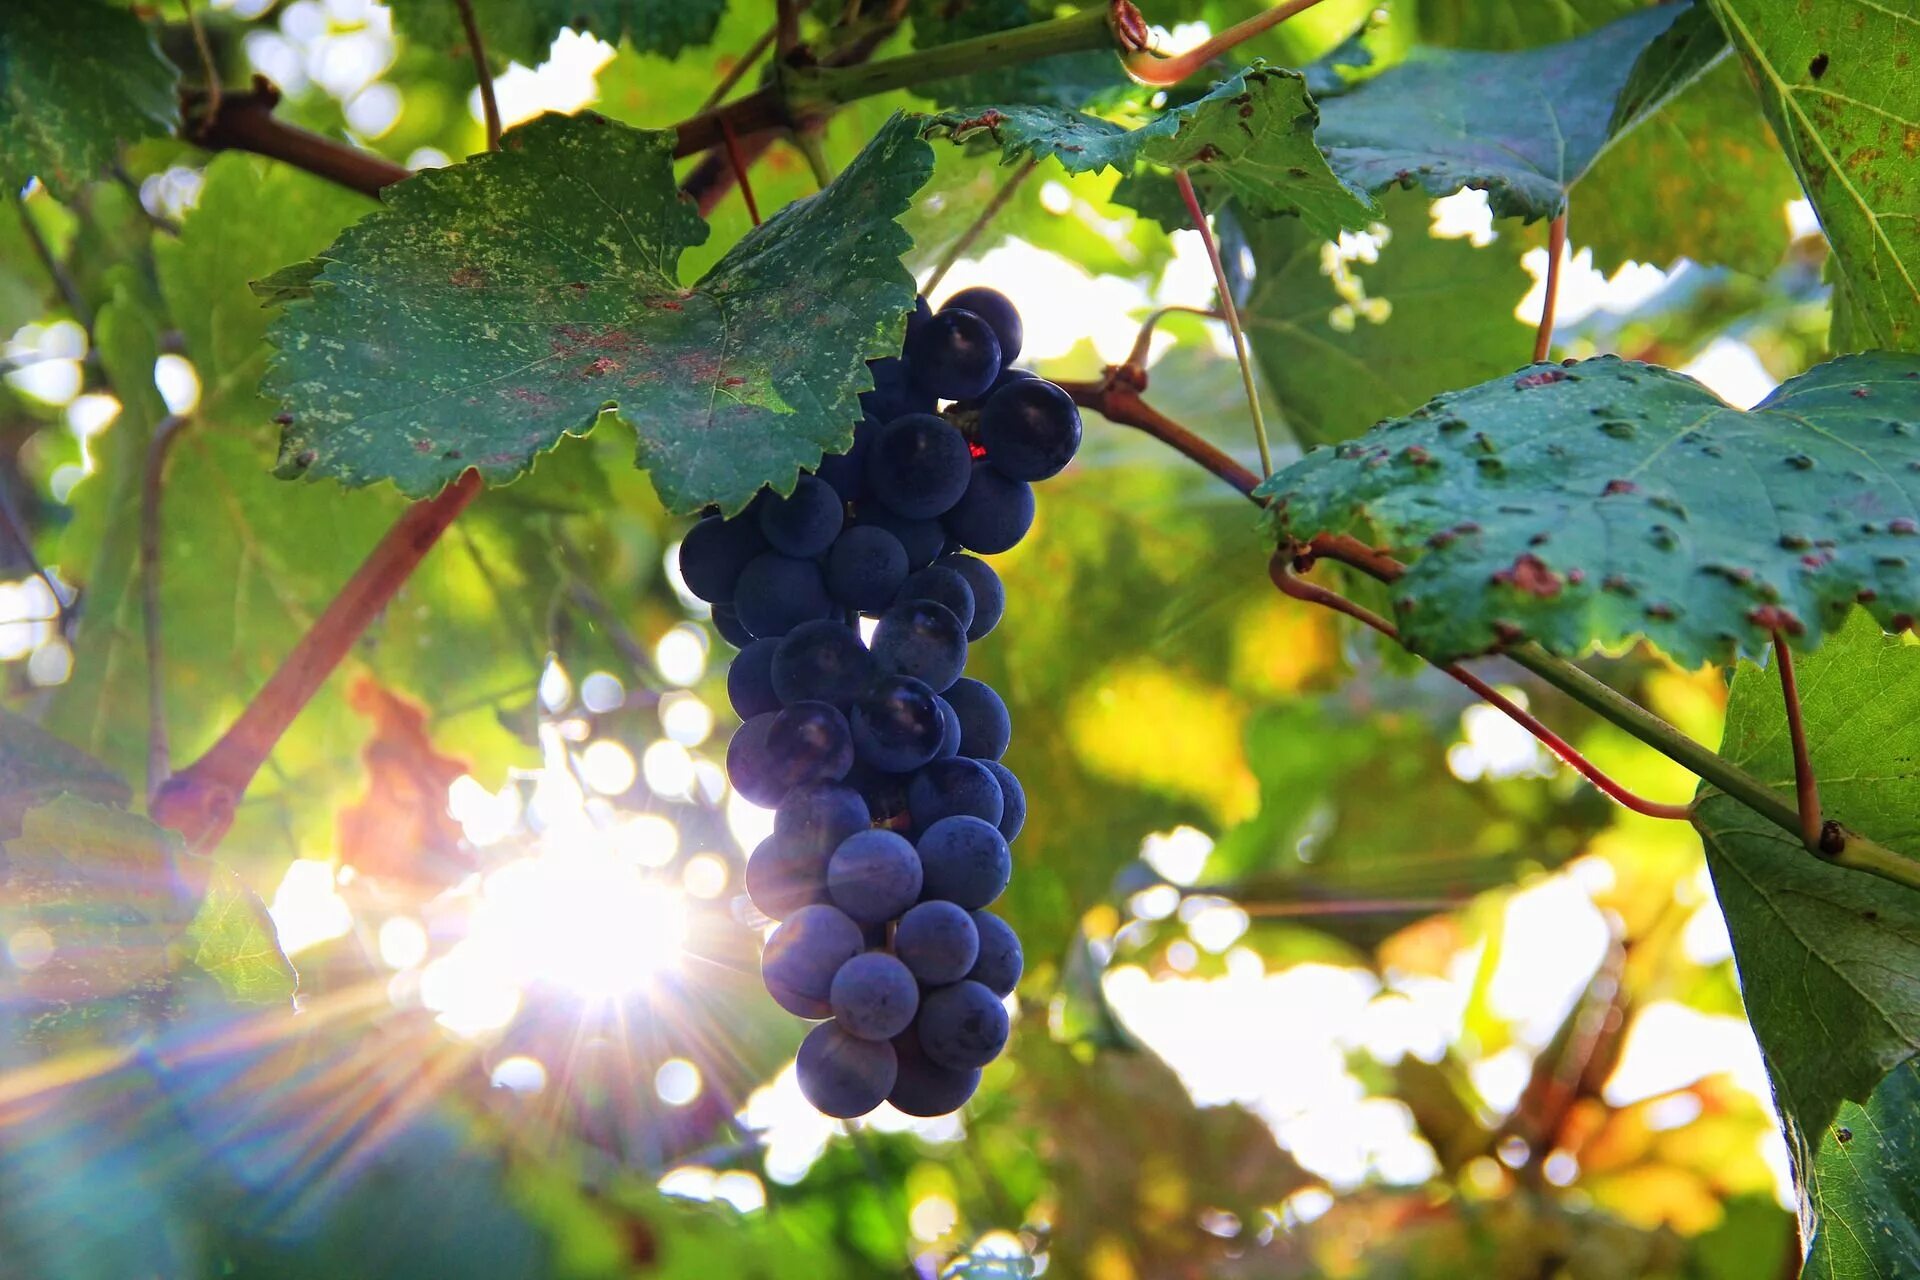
x=494, y=306
x=1594, y=502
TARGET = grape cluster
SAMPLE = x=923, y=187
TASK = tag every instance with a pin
x=880, y=759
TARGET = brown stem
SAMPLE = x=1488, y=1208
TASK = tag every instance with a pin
x=1556, y=246
x=1353, y=553
x=489, y=105
x=786, y=26
x=208, y=66
x=1143, y=340
x=958, y=249
x=1116, y=397
x=199, y=801
x=739, y=69
x=1240, y=351
x=244, y=121
x=1151, y=68
x=152, y=481
x=1805, y=785
x=1280, y=569
x=739, y=166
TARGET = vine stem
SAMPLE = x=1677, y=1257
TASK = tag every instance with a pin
x=1117, y=398
x=786, y=26
x=489, y=104
x=1556, y=248
x=1143, y=340
x=1151, y=68
x=1232, y=314
x=1279, y=568
x=199, y=801
x=739, y=69
x=975, y=229
x=740, y=172
x=207, y=64
x=152, y=483
x=1805, y=785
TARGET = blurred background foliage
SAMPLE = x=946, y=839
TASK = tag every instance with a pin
x=1331, y=972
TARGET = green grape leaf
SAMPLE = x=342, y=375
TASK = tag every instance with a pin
x=1065, y=80
x=1838, y=85
x=523, y=30
x=1598, y=502
x=1829, y=959
x=1524, y=126
x=1341, y=351
x=494, y=306
x=1864, y=1189
x=77, y=79
x=1250, y=137
x=235, y=942
x=35, y=766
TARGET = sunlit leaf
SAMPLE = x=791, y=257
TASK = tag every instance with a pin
x=234, y=941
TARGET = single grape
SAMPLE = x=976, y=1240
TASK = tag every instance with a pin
x=818, y=817
x=922, y=540
x=874, y=876
x=989, y=594
x=962, y=1026
x=809, y=742
x=944, y=586
x=985, y=727
x=843, y=1076
x=919, y=466
x=998, y=311
x=1030, y=429
x=777, y=593
x=954, y=355
x=784, y=875
x=894, y=391
x=923, y=640
x=946, y=788
x=750, y=680
x=922, y=1087
x=714, y=553
x=896, y=726
x=806, y=523
x=885, y=793
x=847, y=472
x=874, y=997
x=821, y=661
x=1000, y=961
x=865, y=568
x=1013, y=796
x=964, y=860
x=949, y=729
x=993, y=514
x=938, y=942
x=727, y=622
x=751, y=767
x=803, y=954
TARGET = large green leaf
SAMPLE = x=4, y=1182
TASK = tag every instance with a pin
x=1610, y=499
x=77, y=79
x=495, y=306
x=1864, y=1190
x=523, y=30
x=1829, y=959
x=1839, y=85
x=1342, y=347
x=1524, y=126
x=35, y=766
x=1250, y=137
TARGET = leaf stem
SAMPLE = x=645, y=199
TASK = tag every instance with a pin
x=1117, y=398
x=208, y=65
x=1805, y=785
x=1151, y=68
x=958, y=249
x=199, y=800
x=489, y=104
x=786, y=26
x=1143, y=340
x=1279, y=568
x=738, y=70
x=740, y=171
x=1556, y=248
x=806, y=140
x=152, y=482
x=1232, y=315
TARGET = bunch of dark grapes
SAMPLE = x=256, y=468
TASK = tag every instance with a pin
x=880, y=758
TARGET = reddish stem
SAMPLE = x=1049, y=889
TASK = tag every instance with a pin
x=1116, y=397
x=1232, y=314
x=1151, y=68
x=1284, y=579
x=1556, y=246
x=1805, y=785
x=199, y=801
x=740, y=171
x=489, y=105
